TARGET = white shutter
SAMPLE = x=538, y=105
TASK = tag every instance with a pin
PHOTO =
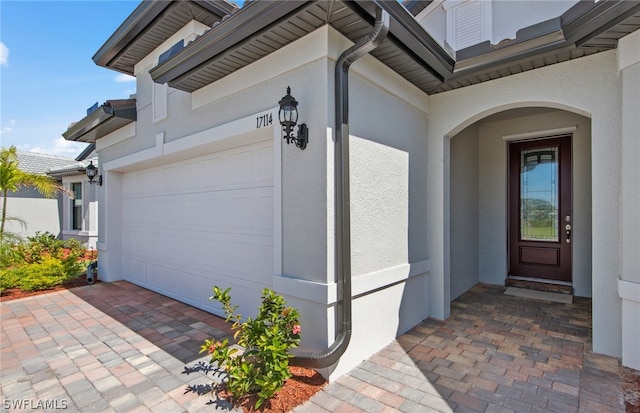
x=468, y=23
x=159, y=101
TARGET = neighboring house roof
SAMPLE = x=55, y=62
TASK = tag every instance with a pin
x=40, y=163
x=74, y=168
x=110, y=116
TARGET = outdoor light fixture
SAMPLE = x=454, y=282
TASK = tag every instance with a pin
x=288, y=116
x=92, y=172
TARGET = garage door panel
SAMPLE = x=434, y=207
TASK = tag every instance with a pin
x=264, y=166
x=207, y=221
x=239, y=168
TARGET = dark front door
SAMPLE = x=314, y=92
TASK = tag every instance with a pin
x=540, y=212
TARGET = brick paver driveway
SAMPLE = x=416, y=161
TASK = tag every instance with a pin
x=105, y=347
x=118, y=347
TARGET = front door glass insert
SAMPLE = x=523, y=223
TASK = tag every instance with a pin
x=539, y=194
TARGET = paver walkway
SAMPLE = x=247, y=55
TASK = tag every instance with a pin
x=118, y=347
x=495, y=353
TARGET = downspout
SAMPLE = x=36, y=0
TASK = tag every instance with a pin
x=342, y=197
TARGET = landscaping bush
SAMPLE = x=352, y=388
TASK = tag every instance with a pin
x=263, y=367
x=46, y=244
x=39, y=276
x=43, y=262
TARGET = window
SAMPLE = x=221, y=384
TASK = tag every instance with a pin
x=76, y=206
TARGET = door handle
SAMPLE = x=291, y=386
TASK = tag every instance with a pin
x=567, y=228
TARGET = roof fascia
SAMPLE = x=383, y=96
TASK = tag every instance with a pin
x=578, y=25
x=579, y=28
x=248, y=21
x=125, y=109
x=86, y=152
x=139, y=20
x=258, y=15
x=408, y=34
x=129, y=30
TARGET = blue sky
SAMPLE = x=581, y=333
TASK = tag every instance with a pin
x=47, y=76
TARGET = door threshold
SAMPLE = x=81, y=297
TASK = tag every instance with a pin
x=539, y=284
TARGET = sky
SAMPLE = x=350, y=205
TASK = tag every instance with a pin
x=47, y=76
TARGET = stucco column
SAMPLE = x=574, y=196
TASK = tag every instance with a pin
x=629, y=283
x=110, y=227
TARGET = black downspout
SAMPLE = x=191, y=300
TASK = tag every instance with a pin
x=342, y=199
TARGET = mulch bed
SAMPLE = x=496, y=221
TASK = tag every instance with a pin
x=631, y=387
x=297, y=390
x=15, y=293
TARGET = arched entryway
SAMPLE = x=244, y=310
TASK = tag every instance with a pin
x=477, y=159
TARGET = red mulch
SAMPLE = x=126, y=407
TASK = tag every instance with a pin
x=631, y=386
x=297, y=390
x=15, y=293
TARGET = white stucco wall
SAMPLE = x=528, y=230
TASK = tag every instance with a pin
x=561, y=86
x=511, y=16
x=629, y=283
x=464, y=211
x=388, y=223
x=38, y=213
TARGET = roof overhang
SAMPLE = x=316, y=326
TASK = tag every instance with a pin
x=152, y=23
x=109, y=117
x=70, y=171
x=261, y=27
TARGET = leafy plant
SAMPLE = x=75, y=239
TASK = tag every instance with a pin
x=42, y=262
x=13, y=179
x=38, y=276
x=263, y=367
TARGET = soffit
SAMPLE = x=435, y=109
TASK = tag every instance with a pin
x=262, y=27
x=218, y=52
x=151, y=24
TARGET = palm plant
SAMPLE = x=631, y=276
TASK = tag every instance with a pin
x=13, y=179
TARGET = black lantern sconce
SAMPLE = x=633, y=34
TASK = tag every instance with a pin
x=92, y=172
x=288, y=116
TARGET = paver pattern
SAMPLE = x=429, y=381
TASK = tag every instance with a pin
x=495, y=353
x=116, y=347
x=109, y=347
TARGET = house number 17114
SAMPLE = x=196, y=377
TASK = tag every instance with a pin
x=264, y=120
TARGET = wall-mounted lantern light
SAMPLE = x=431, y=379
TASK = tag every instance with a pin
x=288, y=116
x=92, y=172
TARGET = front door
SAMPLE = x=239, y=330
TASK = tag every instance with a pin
x=540, y=212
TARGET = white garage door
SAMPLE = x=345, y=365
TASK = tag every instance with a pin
x=207, y=221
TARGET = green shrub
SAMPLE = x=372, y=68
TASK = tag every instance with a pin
x=42, y=262
x=46, y=244
x=38, y=276
x=8, y=279
x=47, y=273
x=263, y=367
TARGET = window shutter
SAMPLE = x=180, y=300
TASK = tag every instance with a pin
x=159, y=101
x=468, y=24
